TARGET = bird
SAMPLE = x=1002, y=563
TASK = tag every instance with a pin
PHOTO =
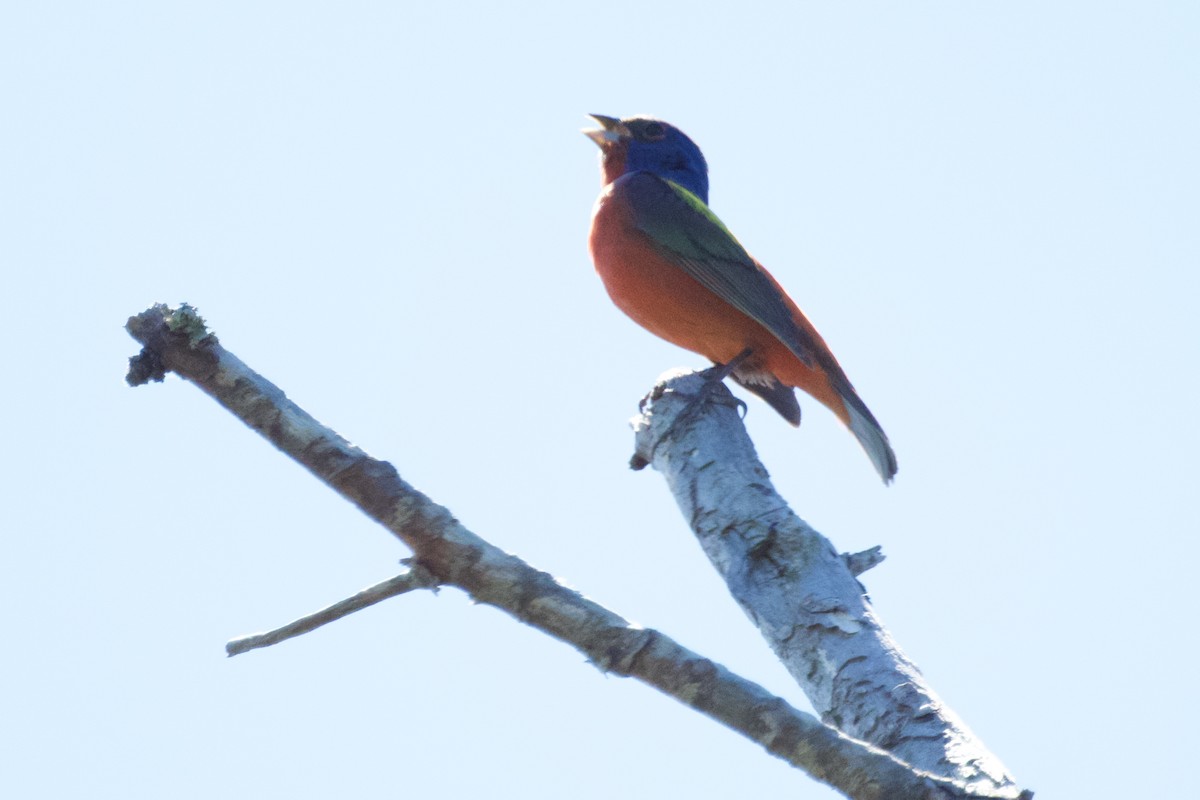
x=673, y=267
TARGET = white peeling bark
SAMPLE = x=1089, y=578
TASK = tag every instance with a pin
x=797, y=589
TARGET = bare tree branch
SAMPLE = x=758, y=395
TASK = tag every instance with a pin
x=176, y=340
x=800, y=593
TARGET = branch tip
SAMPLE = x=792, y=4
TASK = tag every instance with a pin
x=157, y=328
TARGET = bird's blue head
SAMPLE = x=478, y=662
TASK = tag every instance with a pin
x=645, y=144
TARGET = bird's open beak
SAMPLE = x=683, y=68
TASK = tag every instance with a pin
x=611, y=130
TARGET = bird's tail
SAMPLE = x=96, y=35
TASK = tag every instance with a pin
x=870, y=435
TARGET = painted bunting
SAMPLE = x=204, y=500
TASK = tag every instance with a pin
x=670, y=264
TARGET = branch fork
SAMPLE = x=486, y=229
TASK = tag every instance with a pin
x=885, y=735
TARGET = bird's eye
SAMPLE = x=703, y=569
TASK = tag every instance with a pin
x=653, y=131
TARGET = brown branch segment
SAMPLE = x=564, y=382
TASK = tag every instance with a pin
x=174, y=340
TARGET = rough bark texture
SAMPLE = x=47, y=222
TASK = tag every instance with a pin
x=797, y=589
x=176, y=340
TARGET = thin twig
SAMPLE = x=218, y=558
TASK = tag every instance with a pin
x=415, y=578
x=864, y=560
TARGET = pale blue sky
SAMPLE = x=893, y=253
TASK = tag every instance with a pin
x=989, y=209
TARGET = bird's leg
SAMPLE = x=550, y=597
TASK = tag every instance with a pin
x=719, y=372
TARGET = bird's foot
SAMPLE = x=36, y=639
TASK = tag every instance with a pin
x=714, y=378
x=712, y=390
